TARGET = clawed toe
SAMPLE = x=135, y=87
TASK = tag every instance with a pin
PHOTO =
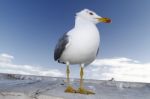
x=70, y=89
x=84, y=91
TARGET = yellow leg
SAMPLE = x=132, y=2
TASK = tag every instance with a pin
x=81, y=77
x=81, y=89
x=68, y=72
x=69, y=88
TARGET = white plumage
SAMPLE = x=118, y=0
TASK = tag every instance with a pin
x=83, y=43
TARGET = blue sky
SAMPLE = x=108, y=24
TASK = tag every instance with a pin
x=29, y=29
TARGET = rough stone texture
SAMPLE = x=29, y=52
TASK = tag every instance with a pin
x=35, y=87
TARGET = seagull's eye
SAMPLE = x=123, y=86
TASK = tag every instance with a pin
x=91, y=13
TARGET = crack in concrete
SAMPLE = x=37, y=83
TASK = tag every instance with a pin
x=1, y=93
x=36, y=94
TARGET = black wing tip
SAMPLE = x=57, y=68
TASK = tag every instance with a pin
x=55, y=57
x=61, y=62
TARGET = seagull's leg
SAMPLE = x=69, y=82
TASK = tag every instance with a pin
x=81, y=76
x=81, y=89
x=69, y=88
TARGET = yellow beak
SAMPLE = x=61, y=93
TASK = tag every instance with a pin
x=105, y=20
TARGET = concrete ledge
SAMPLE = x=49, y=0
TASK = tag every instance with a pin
x=35, y=87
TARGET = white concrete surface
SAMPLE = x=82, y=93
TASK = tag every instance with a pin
x=35, y=87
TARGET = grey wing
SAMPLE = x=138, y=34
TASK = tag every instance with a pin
x=97, y=51
x=60, y=47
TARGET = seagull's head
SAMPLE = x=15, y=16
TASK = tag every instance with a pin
x=92, y=16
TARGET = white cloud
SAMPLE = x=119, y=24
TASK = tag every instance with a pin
x=121, y=69
x=5, y=58
x=7, y=66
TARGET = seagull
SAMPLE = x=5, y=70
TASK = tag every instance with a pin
x=80, y=45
